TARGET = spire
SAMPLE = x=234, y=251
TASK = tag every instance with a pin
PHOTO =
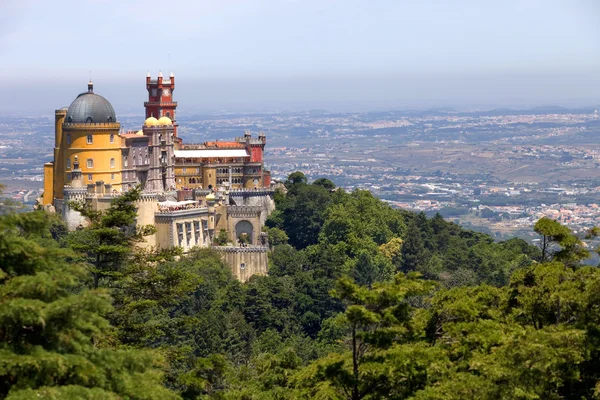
x=90, y=84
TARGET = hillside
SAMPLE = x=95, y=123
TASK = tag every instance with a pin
x=362, y=302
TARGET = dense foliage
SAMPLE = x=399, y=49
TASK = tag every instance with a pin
x=55, y=342
x=362, y=302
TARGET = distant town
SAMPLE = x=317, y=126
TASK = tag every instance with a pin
x=496, y=171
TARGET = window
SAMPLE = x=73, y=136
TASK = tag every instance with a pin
x=180, y=233
x=197, y=231
x=90, y=163
x=112, y=137
x=184, y=170
x=125, y=161
x=112, y=177
x=112, y=162
x=90, y=177
x=243, y=266
x=68, y=163
x=68, y=138
x=90, y=139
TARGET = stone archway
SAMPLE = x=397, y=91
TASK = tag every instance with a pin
x=245, y=227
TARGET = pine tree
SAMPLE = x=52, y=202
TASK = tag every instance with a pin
x=54, y=340
x=107, y=243
x=414, y=253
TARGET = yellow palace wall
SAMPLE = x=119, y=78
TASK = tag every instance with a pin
x=48, y=183
x=100, y=151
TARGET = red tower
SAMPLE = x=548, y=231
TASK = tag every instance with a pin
x=160, y=98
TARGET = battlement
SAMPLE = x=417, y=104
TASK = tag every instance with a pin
x=237, y=249
x=251, y=192
x=244, y=211
x=148, y=197
x=252, y=141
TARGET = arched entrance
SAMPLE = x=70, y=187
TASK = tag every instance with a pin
x=244, y=232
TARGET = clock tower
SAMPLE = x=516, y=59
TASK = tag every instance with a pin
x=160, y=98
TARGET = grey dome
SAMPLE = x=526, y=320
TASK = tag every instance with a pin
x=89, y=107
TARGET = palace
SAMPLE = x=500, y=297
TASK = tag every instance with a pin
x=190, y=192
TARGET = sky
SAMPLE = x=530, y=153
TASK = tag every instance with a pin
x=235, y=55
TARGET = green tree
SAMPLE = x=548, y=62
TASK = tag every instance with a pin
x=374, y=320
x=304, y=215
x=324, y=182
x=54, y=340
x=222, y=238
x=295, y=178
x=553, y=233
x=369, y=269
x=276, y=236
x=107, y=244
x=414, y=253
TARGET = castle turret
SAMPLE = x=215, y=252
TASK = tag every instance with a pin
x=160, y=98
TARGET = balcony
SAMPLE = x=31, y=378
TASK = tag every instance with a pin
x=160, y=103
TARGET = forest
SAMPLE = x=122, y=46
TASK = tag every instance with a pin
x=362, y=301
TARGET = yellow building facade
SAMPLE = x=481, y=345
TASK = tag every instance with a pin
x=87, y=147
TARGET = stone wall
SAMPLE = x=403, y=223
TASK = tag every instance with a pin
x=245, y=261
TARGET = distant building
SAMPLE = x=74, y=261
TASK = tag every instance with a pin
x=190, y=192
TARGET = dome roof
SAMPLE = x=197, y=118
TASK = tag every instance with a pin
x=165, y=121
x=151, y=121
x=140, y=132
x=210, y=196
x=89, y=107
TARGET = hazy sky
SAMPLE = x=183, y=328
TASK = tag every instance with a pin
x=234, y=54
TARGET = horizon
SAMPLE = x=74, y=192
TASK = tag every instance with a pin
x=239, y=56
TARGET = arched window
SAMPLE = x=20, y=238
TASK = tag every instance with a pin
x=90, y=163
x=68, y=163
x=89, y=120
x=112, y=137
x=90, y=139
x=68, y=138
x=109, y=119
x=112, y=162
